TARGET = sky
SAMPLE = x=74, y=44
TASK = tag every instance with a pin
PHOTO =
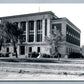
x=42, y=82
x=73, y=11
x=67, y=82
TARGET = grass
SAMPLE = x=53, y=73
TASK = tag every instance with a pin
x=61, y=68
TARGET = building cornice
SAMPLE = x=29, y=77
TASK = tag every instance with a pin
x=31, y=14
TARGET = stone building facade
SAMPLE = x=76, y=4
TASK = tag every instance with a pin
x=38, y=25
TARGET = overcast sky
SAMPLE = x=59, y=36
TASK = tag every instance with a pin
x=42, y=82
x=74, y=12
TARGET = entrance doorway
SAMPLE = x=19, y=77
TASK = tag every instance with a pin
x=22, y=50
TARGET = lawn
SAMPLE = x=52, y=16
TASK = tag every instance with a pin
x=65, y=69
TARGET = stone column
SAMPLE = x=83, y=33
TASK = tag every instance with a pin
x=43, y=30
x=18, y=50
x=35, y=32
x=63, y=28
x=26, y=51
x=18, y=24
x=26, y=31
x=19, y=27
x=48, y=27
x=18, y=46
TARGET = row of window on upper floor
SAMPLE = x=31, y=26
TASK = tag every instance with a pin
x=31, y=30
x=72, y=32
x=72, y=40
x=31, y=24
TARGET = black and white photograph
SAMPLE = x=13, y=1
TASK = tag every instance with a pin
x=41, y=42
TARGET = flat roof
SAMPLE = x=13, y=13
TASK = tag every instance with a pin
x=30, y=14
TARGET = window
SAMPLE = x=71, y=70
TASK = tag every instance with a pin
x=39, y=24
x=45, y=27
x=38, y=49
x=31, y=31
x=0, y=48
x=23, y=26
x=58, y=26
x=30, y=49
x=7, y=50
x=22, y=50
x=23, y=38
x=31, y=37
x=31, y=25
x=72, y=36
x=39, y=37
x=39, y=30
x=69, y=50
x=66, y=50
x=16, y=23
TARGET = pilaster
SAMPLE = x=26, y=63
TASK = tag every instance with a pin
x=27, y=31
x=43, y=30
x=35, y=31
x=48, y=27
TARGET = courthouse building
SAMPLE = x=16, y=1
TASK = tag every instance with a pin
x=38, y=25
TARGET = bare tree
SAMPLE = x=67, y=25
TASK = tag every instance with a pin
x=55, y=40
x=12, y=32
